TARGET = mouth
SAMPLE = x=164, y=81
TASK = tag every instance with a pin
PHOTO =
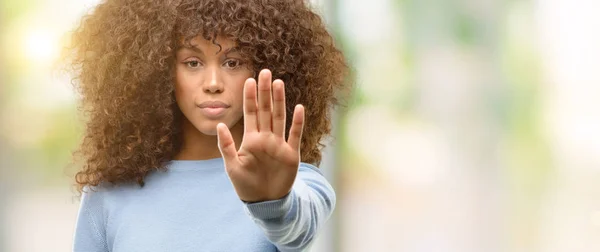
x=213, y=104
x=213, y=109
x=213, y=112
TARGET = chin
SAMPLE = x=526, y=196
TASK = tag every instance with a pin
x=207, y=128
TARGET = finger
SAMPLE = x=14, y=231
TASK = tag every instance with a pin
x=264, y=100
x=250, y=108
x=278, y=108
x=226, y=144
x=296, y=130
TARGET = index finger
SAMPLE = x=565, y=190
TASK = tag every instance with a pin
x=250, y=107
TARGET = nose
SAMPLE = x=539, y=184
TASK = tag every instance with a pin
x=213, y=82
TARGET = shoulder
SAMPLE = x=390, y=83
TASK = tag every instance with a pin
x=105, y=194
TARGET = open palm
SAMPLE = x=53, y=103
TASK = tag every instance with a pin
x=265, y=166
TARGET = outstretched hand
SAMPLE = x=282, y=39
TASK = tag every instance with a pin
x=265, y=166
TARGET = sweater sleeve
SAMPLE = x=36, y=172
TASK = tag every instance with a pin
x=90, y=233
x=292, y=223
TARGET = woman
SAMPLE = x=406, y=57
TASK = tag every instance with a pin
x=189, y=144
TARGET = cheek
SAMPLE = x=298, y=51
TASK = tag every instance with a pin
x=239, y=92
x=179, y=92
x=183, y=89
x=238, y=95
x=239, y=88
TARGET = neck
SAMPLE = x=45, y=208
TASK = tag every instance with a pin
x=199, y=146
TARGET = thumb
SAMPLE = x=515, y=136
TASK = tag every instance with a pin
x=226, y=144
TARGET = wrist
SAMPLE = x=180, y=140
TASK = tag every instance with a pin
x=251, y=200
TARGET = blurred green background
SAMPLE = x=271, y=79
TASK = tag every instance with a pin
x=473, y=126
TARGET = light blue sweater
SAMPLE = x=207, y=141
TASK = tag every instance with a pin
x=193, y=207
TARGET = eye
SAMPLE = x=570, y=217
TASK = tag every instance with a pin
x=233, y=63
x=192, y=63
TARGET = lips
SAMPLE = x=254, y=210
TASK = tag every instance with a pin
x=213, y=109
x=213, y=104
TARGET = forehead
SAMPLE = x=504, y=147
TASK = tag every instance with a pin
x=201, y=42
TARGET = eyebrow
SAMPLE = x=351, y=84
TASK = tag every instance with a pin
x=226, y=51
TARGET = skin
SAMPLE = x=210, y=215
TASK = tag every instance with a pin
x=259, y=161
x=204, y=73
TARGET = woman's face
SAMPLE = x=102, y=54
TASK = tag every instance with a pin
x=210, y=82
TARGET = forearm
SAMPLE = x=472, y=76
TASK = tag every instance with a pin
x=293, y=222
